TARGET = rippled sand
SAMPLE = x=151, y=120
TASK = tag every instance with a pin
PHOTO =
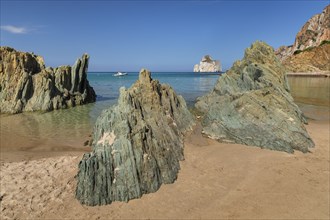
x=215, y=181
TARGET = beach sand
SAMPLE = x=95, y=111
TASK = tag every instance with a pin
x=216, y=180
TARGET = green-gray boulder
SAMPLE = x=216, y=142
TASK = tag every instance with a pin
x=27, y=85
x=137, y=144
x=251, y=104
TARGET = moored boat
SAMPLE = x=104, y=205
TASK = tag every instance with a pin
x=120, y=74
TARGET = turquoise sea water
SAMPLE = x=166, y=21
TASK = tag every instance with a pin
x=26, y=135
x=189, y=85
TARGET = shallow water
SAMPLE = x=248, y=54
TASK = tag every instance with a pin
x=29, y=134
x=310, y=90
x=312, y=94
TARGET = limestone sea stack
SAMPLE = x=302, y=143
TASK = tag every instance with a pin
x=207, y=64
x=311, y=48
x=137, y=144
x=251, y=104
x=27, y=85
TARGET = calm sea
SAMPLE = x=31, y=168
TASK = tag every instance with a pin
x=23, y=136
x=189, y=85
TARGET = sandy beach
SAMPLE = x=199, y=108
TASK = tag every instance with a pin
x=216, y=181
x=165, y=110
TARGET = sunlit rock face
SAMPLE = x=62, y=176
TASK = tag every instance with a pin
x=251, y=104
x=137, y=145
x=311, y=48
x=27, y=85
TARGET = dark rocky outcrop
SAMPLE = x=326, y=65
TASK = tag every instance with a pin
x=251, y=104
x=27, y=85
x=137, y=144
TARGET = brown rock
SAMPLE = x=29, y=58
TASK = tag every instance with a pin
x=26, y=85
x=313, y=60
x=309, y=53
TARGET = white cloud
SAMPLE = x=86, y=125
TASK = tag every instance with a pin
x=14, y=30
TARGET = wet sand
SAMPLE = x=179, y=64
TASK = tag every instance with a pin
x=216, y=180
x=310, y=74
x=36, y=135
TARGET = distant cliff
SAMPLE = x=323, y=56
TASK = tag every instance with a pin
x=207, y=64
x=310, y=51
x=27, y=85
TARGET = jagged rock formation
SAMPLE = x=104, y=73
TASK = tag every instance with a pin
x=27, y=85
x=284, y=52
x=207, y=64
x=137, y=144
x=251, y=105
x=316, y=30
x=312, y=39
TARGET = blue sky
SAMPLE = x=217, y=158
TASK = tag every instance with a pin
x=158, y=35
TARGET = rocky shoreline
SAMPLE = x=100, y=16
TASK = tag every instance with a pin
x=27, y=85
x=138, y=143
x=191, y=140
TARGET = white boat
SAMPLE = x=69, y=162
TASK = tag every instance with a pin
x=120, y=74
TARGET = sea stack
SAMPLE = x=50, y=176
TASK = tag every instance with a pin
x=251, y=104
x=207, y=64
x=137, y=144
x=27, y=85
x=311, y=48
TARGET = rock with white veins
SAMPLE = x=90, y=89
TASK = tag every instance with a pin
x=137, y=145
